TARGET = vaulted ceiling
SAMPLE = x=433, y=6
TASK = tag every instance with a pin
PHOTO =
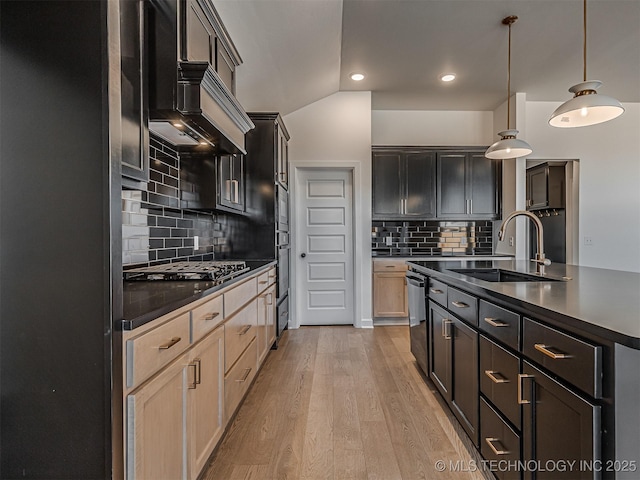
x=297, y=51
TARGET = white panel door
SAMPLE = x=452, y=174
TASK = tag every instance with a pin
x=325, y=246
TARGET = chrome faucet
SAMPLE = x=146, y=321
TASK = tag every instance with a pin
x=540, y=259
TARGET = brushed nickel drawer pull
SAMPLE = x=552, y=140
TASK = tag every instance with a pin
x=492, y=375
x=262, y=282
x=247, y=371
x=169, y=344
x=198, y=377
x=494, y=322
x=546, y=350
x=272, y=276
x=521, y=400
x=211, y=316
x=193, y=384
x=436, y=291
x=446, y=331
x=459, y=304
x=245, y=330
x=497, y=451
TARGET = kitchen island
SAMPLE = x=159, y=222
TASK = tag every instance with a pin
x=538, y=369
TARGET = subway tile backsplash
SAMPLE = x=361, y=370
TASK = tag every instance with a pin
x=155, y=230
x=431, y=237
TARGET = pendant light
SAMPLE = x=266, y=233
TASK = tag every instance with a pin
x=586, y=107
x=508, y=146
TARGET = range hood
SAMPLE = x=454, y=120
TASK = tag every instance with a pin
x=189, y=104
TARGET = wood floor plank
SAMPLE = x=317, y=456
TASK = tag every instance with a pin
x=342, y=403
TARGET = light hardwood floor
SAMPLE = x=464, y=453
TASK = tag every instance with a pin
x=343, y=403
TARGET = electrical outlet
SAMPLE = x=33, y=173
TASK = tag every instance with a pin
x=388, y=240
x=511, y=241
x=196, y=243
x=588, y=240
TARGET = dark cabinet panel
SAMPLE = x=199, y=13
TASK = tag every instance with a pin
x=420, y=185
x=231, y=182
x=387, y=189
x=499, y=371
x=464, y=367
x=403, y=184
x=558, y=425
x=546, y=186
x=467, y=186
x=439, y=336
x=133, y=91
x=499, y=443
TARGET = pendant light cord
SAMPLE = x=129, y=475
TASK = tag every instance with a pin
x=509, y=81
x=585, y=40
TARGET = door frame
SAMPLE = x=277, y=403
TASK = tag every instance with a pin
x=357, y=224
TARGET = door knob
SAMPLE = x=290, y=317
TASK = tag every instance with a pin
x=302, y=255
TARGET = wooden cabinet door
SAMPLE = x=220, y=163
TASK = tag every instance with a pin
x=271, y=315
x=464, y=377
x=452, y=200
x=205, y=383
x=440, y=349
x=420, y=185
x=386, y=188
x=390, y=295
x=200, y=35
x=558, y=425
x=261, y=334
x=481, y=185
x=282, y=157
x=156, y=427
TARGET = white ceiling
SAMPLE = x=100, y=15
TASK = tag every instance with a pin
x=298, y=51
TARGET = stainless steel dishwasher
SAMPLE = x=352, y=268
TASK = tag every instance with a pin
x=418, y=317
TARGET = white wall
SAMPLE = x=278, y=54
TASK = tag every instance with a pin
x=336, y=131
x=609, y=155
x=433, y=128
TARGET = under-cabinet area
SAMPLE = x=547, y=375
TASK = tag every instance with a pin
x=185, y=375
x=547, y=395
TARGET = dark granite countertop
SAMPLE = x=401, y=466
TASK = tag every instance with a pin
x=599, y=302
x=146, y=301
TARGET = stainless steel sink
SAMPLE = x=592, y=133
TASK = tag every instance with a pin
x=500, y=275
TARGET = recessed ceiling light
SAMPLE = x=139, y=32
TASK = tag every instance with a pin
x=448, y=77
x=357, y=76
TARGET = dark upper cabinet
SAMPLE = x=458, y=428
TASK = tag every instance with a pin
x=467, y=186
x=133, y=104
x=211, y=183
x=231, y=182
x=546, y=186
x=403, y=184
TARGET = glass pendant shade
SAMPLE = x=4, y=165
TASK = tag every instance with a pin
x=508, y=147
x=586, y=108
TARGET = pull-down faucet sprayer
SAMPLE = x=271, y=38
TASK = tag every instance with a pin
x=540, y=259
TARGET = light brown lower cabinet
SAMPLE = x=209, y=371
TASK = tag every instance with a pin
x=186, y=373
x=390, y=289
x=178, y=415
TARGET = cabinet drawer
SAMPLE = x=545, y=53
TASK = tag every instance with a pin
x=239, y=295
x=149, y=352
x=266, y=279
x=499, y=442
x=500, y=323
x=389, y=266
x=499, y=379
x=206, y=317
x=437, y=292
x=237, y=381
x=238, y=333
x=575, y=360
x=463, y=305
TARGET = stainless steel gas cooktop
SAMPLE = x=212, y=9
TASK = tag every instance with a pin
x=218, y=271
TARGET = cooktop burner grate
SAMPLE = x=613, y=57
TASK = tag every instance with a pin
x=217, y=270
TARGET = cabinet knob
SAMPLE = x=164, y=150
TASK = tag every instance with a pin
x=302, y=255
